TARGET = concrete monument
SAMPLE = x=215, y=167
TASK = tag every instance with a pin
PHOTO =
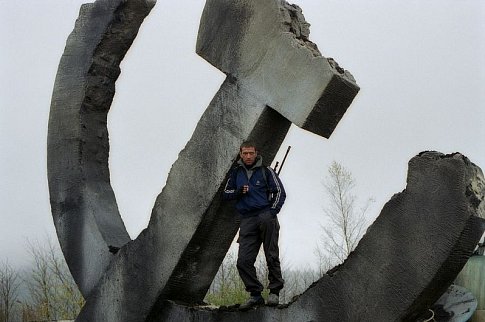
x=275, y=77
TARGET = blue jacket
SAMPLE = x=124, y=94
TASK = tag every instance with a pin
x=262, y=195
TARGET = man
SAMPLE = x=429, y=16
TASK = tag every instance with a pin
x=260, y=195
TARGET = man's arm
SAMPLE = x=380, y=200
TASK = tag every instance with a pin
x=231, y=191
x=278, y=194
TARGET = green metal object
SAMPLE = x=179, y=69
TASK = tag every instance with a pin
x=472, y=277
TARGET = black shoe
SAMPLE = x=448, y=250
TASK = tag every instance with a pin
x=254, y=301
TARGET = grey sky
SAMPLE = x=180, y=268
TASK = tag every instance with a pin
x=420, y=66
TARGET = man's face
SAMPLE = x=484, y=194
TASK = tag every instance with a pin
x=248, y=155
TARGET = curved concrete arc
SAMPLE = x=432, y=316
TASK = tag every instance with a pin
x=83, y=204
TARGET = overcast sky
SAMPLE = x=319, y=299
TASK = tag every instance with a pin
x=420, y=66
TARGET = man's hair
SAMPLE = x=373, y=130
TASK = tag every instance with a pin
x=248, y=144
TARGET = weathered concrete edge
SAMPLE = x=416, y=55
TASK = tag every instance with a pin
x=471, y=234
x=78, y=139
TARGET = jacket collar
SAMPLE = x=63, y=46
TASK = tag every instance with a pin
x=257, y=164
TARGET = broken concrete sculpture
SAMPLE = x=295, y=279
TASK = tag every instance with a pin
x=407, y=259
x=275, y=77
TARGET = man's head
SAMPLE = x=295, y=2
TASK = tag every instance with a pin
x=248, y=153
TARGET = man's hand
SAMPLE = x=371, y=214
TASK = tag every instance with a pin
x=245, y=188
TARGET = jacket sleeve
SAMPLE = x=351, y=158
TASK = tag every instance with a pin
x=231, y=191
x=277, y=192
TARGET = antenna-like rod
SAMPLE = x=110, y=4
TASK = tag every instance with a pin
x=283, y=162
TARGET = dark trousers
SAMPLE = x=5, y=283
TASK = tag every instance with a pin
x=254, y=231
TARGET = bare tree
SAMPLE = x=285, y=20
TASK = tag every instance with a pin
x=40, y=283
x=325, y=261
x=227, y=287
x=9, y=287
x=346, y=221
x=67, y=296
x=52, y=291
x=297, y=281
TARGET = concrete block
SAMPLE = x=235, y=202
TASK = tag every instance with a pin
x=261, y=43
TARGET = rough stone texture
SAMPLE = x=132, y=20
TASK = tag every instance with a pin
x=189, y=232
x=83, y=203
x=269, y=53
x=405, y=262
